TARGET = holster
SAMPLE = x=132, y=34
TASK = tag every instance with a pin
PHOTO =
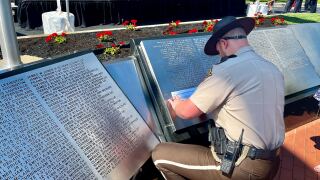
x=217, y=137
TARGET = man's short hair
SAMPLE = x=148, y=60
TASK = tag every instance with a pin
x=235, y=32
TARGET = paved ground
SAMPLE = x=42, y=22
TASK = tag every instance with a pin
x=301, y=153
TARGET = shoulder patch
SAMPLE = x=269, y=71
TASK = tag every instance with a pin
x=209, y=73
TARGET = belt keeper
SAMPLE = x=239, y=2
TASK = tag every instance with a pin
x=253, y=153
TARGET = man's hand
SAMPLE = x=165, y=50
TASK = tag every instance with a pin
x=185, y=109
x=172, y=105
x=174, y=101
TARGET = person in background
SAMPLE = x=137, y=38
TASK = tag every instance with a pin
x=311, y=5
x=244, y=93
x=270, y=6
x=297, y=6
x=306, y=5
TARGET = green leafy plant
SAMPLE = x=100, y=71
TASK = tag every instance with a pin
x=175, y=23
x=105, y=36
x=172, y=28
x=130, y=25
x=114, y=49
x=56, y=38
x=209, y=25
x=259, y=18
x=278, y=21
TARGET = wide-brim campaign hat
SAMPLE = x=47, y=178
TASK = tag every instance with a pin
x=225, y=25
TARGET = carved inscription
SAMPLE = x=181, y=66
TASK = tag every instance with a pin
x=84, y=101
x=30, y=140
x=69, y=120
x=281, y=47
x=178, y=63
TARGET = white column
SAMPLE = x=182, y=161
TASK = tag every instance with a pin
x=8, y=37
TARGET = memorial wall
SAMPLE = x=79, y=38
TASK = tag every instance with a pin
x=126, y=73
x=178, y=63
x=71, y=118
x=68, y=119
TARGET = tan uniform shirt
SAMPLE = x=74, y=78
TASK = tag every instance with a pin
x=245, y=92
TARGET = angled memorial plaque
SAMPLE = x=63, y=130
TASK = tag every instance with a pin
x=309, y=37
x=67, y=119
x=128, y=77
x=282, y=47
x=175, y=64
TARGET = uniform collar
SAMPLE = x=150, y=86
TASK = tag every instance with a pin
x=243, y=50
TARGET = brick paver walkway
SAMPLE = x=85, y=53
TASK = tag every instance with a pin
x=301, y=151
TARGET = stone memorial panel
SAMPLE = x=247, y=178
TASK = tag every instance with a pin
x=281, y=47
x=67, y=119
x=128, y=77
x=177, y=64
x=309, y=37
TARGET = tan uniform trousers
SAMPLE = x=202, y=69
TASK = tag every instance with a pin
x=184, y=161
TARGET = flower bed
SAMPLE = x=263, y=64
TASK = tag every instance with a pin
x=47, y=47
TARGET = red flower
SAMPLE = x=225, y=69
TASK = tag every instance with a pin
x=172, y=33
x=204, y=23
x=99, y=46
x=194, y=30
x=113, y=45
x=54, y=34
x=210, y=28
x=108, y=33
x=134, y=21
x=63, y=34
x=48, y=38
x=99, y=35
x=121, y=43
x=125, y=23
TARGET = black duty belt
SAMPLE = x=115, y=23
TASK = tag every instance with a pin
x=255, y=153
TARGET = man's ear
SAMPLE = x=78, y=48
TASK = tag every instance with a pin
x=225, y=44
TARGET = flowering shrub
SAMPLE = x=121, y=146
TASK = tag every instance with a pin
x=278, y=21
x=99, y=46
x=130, y=25
x=172, y=28
x=56, y=38
x=105, y=36
x=194, y=30
x=172, y=33
x=114, y=49
x=259, y=18
x=209, y=25
x=175, y=23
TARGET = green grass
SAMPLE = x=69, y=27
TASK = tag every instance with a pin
x=277, y=1
x=297, y=18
